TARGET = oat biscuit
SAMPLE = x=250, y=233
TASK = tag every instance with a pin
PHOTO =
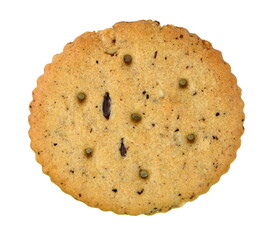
x=136, y=119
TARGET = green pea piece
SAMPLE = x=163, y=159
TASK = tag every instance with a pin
x=183, y=83
x=136, y=117
x=143, y=174
x=127, y=59
x=81, y=96
x=191, y=138
x=88, y=152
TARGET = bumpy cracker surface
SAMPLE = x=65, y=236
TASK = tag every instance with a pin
x=136, y=119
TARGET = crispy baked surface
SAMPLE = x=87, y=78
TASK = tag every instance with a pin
x=186, y=138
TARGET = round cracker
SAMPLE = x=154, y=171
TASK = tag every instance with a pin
x=93, y=148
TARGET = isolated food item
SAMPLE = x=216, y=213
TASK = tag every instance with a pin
x=136, y=119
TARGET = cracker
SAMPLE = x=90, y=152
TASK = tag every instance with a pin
x=136, y=119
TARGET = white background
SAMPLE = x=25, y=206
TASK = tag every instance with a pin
x=238, y=207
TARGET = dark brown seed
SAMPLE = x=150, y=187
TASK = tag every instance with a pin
x=106, y=106
x=81, y=96
x=136, y=117
x=183, y=83
x=88, y=152
x=191, y=138
x=122, y=149
x=127, y=59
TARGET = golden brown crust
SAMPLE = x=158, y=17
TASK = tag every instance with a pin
x=179, y=171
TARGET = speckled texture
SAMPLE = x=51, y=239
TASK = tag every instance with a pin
x=210, y=107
